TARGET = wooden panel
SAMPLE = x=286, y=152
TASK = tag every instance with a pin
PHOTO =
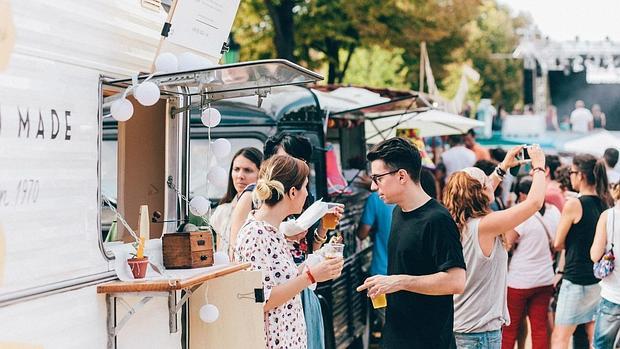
x=240, y=324
x=201, y=241
x=202, y=259
x=168, y=285
x=141, y=165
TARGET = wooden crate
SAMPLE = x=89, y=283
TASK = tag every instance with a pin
x=188, y=250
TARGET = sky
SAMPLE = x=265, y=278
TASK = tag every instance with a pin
x=565, y=19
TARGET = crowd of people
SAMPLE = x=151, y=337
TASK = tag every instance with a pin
x=468, y=253
x=528, y=254
x=580, y=119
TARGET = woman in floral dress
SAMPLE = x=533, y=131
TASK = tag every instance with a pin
x=281, y=190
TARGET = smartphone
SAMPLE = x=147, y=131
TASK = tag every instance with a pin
x=525, y=155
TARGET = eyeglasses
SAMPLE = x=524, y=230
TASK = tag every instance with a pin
x=375, y=178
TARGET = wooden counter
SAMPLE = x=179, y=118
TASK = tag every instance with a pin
x=168, y=285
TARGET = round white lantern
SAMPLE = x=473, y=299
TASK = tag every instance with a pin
x=121, y=109
x=147, y=93
x=218, y=176
x=166, y=63
x=199, y=206
x=221, y=147
x=209, y=313
x=211, y=117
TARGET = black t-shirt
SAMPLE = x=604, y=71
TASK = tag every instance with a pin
x=578, y=266
x=422, y=242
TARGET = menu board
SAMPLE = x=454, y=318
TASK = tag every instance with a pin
x=202, y=25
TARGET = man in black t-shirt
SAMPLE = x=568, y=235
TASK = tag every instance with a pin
x=425, y=257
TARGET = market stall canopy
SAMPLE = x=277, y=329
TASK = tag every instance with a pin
x=594, y=144
x=348, y=98
x=430, y=123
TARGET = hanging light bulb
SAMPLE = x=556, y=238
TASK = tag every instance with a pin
x=166, y=63
x=147, y=93
x=209, y=313
x=221, y=147
x=199, y=206
x=211, y=117
x=218, y=176
x=121, y=109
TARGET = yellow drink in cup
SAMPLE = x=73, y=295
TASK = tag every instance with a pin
x=379, y=302
x=330, y=220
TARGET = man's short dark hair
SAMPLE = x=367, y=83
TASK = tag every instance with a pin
x=296, y=146
x=471, y=132
x=487, y=166
x=398, y=153
x=553, y=162
x=611, y=157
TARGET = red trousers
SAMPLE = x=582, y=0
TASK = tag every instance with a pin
x=533, y=302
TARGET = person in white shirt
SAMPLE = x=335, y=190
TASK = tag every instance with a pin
x=607, y=236
x=458, y=156
x=530, y=271
x=611, y=159
x=581, y=119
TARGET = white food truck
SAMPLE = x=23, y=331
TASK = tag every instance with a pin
x=62, y=64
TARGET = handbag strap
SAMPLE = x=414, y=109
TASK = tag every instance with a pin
x=613, y=228
x=546, y=229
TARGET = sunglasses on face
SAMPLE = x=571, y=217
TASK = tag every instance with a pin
x=375, y=178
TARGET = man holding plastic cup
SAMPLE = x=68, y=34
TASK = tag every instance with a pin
x=425, y=257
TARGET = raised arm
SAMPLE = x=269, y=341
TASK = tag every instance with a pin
x=509, y=161
x=496, y=223
x=600, y=239
x=238, y=217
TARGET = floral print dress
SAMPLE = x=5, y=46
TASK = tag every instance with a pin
x=267, y=250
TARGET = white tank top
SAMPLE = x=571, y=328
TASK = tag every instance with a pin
x=610, y=285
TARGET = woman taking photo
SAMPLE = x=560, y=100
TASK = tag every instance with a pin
x=281, y=192
x=243, y=172
x=530, y=272
x=580, y=292
x=607, y=321
x=481, y=311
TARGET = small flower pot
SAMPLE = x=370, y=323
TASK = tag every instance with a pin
x=138, y=266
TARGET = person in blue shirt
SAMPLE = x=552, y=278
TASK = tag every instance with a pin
x=377, y=221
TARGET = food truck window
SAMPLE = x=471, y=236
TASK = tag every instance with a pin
x=133, y=171
x=200, y=163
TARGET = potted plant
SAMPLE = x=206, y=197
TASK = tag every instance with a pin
x=139, y=262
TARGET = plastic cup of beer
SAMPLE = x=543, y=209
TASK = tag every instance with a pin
x=330, y=220
x=333, y=250
x=379, y=301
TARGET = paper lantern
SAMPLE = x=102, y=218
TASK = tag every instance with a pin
x=211, y=117
x=147, y=93
x=166, y=63
x=121, y=109
x=218, y=176
x=220, y=258
x=221, y=147
x=209, y=313
x=199, y=206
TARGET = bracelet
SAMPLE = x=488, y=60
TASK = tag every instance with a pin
x=318, y=237
x=310, y=277
x=538, y=169
x=500, y=171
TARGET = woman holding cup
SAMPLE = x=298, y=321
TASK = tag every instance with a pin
x=281, y=191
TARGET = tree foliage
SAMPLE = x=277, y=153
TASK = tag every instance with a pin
x=378, y=42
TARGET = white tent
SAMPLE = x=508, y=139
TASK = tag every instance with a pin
x=594, y=144
x=348, y=98
x=430, y=123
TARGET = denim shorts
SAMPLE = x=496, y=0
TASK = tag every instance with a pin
x=607, y=324
x=479, y=340
x=577, y=303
